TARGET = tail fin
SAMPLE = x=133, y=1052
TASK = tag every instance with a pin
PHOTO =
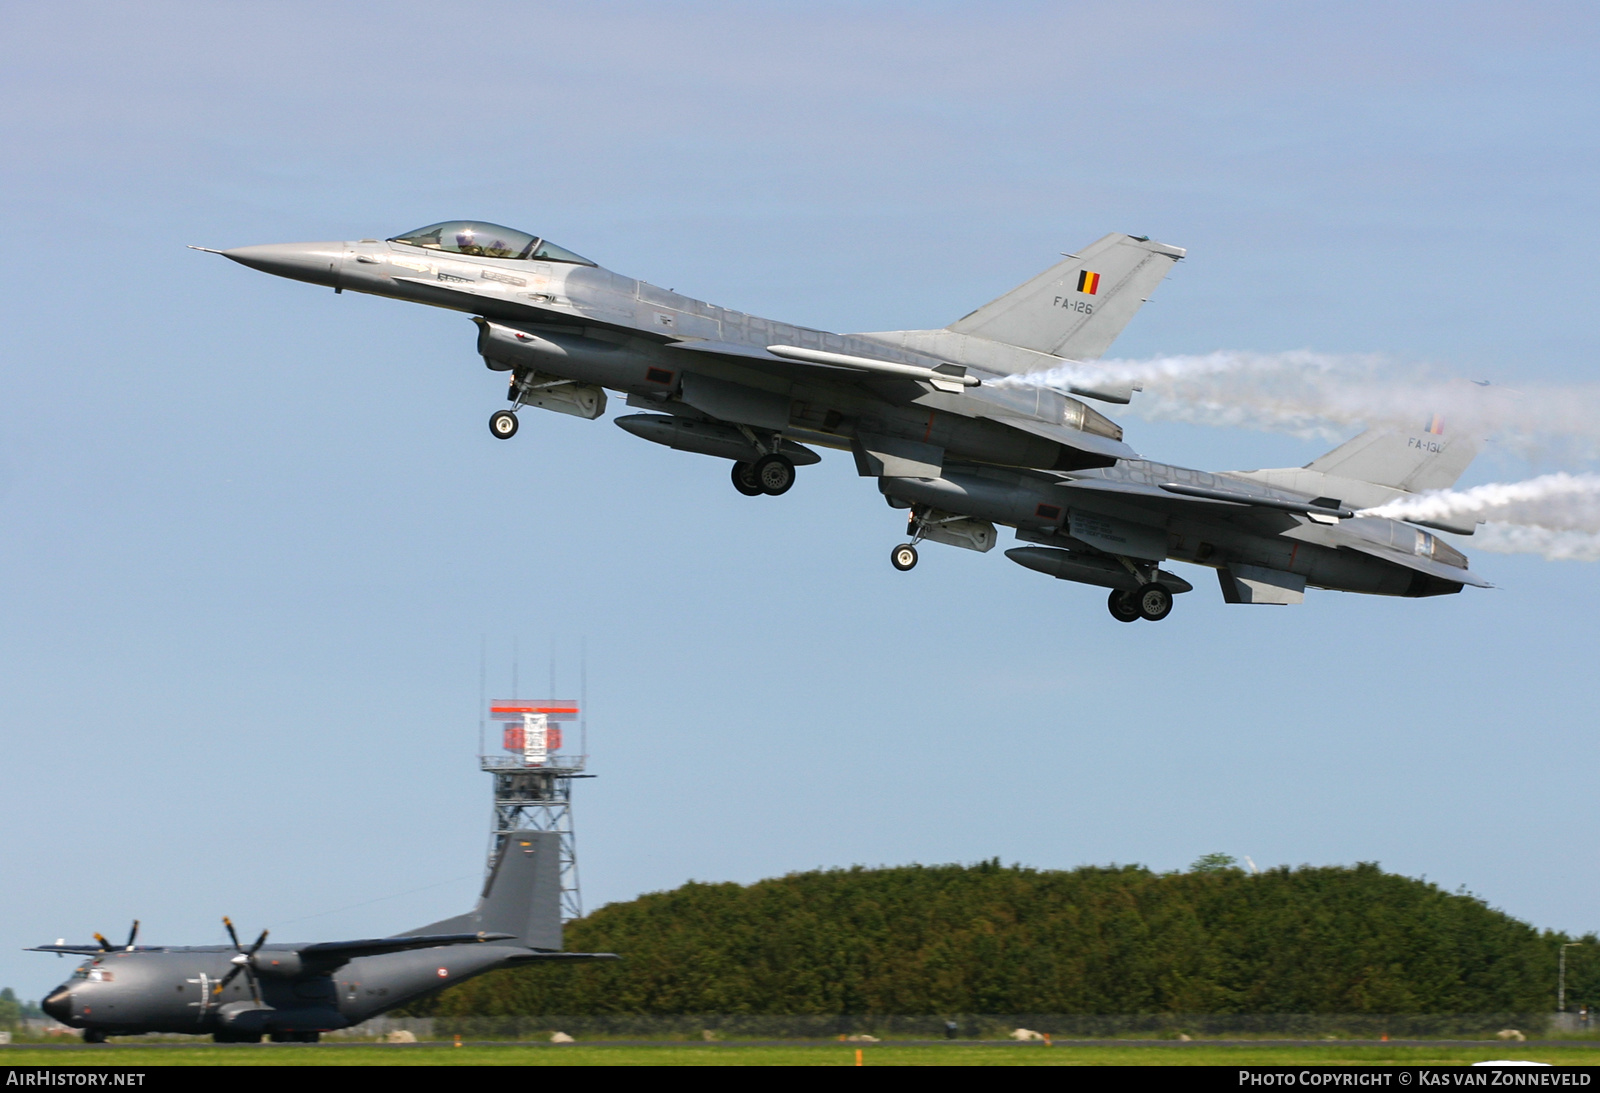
x=1380, y=465
x=522, y=896
x=1076, y=308
x=1425, y=460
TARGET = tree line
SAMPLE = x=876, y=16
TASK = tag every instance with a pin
x=988, y=938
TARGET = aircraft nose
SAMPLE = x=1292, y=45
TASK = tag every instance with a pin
x=315, y=262
x=59, y=1004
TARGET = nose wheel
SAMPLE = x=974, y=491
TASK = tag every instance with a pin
x=903, y=557
x=503, y=424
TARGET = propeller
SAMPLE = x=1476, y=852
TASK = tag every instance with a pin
x=106, y=946
x=241, y=963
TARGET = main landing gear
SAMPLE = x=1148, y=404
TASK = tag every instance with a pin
x=1152, y=602
x=772, y=474
x=903, y=557
x=503, y=424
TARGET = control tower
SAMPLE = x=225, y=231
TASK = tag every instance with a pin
x=540, y=756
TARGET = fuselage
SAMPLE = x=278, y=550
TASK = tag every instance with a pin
x=997, y=451
x=176, y=990
x=575, y=321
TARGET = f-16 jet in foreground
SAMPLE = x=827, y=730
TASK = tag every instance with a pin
x=936, y=416
x=297, y=992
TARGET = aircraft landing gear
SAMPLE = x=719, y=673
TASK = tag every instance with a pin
x=1124, y=607
x=94, y=1036
x=1155, y=602
x=903, y=557
x=503, y=424
x=1152, y=602
x=774, y=473
x=744, y=479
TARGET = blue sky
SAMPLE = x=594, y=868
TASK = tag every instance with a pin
x=255, y=533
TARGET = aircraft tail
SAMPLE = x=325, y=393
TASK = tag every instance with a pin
x=1401, y=460
x=1076, y=308
x=522, y=896
x=1382, y=464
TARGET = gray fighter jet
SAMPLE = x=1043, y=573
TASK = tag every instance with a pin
x=297, y=992
x=936, y=416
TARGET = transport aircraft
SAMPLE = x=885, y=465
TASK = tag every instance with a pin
x=294, y=993
x=937, y=417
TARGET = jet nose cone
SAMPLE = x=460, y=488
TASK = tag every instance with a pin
x=315, y=262
x=59, y=1004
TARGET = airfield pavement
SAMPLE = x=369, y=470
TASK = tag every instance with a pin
x=814, y=1053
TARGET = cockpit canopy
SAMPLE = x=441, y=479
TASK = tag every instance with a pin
x=481, y=240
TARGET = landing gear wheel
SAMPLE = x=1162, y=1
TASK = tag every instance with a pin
x=503, y=424
x=774, y=473
x=903, y=557
x=1155, y=602
x=94, y=1036
x=744, y=480
x=1124, y=606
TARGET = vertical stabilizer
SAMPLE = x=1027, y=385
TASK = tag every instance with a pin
x=1382, y=464
x=1409, y=461
x=522, y=896
x=1076, y=308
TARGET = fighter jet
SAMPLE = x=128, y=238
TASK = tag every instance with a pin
x=938, y=417
x=294, y=993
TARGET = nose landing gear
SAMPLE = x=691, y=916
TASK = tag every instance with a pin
x=903, y=557
x=503, y=424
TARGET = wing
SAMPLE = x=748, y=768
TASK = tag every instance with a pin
x=797, y=362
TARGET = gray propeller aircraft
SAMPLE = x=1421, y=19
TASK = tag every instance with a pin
x=294, y=993
x=938, y=417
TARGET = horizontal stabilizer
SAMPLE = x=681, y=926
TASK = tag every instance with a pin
x=530, y=957
x=1430, y=566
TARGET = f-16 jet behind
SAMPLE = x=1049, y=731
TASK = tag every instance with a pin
x=239, y=993
x=933, y=415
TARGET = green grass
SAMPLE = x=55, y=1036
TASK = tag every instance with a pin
x=1191, y=1054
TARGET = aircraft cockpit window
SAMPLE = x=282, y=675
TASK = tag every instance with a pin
x=480, y=240
x=552, y=253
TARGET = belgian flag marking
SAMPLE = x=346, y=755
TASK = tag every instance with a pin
x=1088, y=283
x=1435, y=425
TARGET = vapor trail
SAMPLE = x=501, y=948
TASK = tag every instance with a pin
x=1328, y=395
x=1556, y=546
x=1556, y=515
x=1560, y=501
